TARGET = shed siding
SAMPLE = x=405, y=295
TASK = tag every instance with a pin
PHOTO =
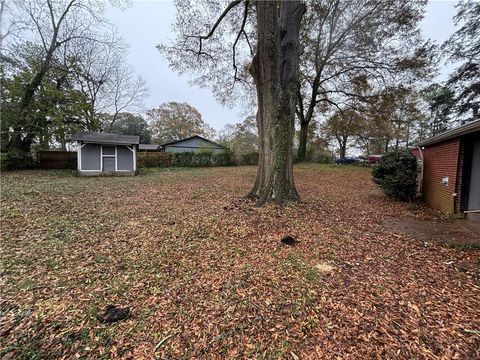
x=124, y=158
x=91, y=157
x=194, y=145
x=441, y=160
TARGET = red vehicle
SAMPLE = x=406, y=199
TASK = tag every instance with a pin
x=373, y=159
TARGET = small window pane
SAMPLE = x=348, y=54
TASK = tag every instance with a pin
x=108, y=150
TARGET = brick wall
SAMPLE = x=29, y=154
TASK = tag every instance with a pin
x=441, y=160
x=458, y=188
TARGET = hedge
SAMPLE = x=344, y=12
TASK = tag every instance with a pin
x=250, y=158
x=16, y=160
x=205, y=158
x=396, y=173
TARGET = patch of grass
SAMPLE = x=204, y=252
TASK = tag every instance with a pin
x=464, y=246
x=296, y=266
x=413, y=206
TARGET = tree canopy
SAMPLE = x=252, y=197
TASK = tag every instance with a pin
x=62, y=65
x=464, y=47
x=174, y=121
x=128, y=124
x=241, y=138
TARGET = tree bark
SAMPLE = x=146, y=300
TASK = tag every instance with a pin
x=275, y=72
x=343, y=150
x=305, y=118
x=342, y=145
x=302, y=141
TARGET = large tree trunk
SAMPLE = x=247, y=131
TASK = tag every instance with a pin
x=306, y=118
x=343, y=149
x=275, y=71
x=302, y=141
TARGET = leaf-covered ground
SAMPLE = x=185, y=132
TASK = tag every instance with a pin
x=207, y=276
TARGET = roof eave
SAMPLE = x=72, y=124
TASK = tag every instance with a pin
x=106, y=142
x=453, y=133
x=191, y=137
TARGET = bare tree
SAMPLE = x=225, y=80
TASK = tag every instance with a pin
x=95, y=68
x=215, y=44
x=126, y=92
x=274, y=44
x=344, y=39
x=54, y=23
x=10, y=25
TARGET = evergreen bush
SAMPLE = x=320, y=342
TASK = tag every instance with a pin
x=16, y=160
x=396, y=173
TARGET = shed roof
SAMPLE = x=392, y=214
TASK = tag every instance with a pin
x=465, y=129
x=172, y=143
x=149, y=147
x=106, y=138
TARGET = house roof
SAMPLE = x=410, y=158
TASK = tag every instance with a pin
x=465, y=129
x=106, y=138
x=149, y=147
x=172, y=143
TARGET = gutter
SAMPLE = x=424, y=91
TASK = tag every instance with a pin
x=420, y=184
x=465, y=129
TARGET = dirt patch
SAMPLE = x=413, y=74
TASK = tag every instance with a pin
x=462, y=233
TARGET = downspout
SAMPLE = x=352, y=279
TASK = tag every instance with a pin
x=420, y=183
x=460, y=160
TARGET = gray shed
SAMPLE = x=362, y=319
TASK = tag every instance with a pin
x=106, y=154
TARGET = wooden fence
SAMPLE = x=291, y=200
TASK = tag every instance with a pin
x=68, y=159
x=57, y=159
x=153, y=159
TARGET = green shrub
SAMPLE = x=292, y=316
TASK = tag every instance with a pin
x=322, y=157
x=225, y=158
x=16, y=160
x=250, y=158
x=396, y=173
x=309, y=153
x=203, y=159
x=204, y=152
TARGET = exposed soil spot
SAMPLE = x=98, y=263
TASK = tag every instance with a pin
x=289, y=240
x=458, y=233
x=113, y=313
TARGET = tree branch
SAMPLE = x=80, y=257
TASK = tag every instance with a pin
x=245, y=15
x=217, y=23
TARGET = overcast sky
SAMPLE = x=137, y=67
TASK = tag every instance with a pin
x=148, y=23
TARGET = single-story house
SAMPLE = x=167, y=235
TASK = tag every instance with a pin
x=451, y=170
x=105, y=153
x=193, y=144
x=150, y=148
